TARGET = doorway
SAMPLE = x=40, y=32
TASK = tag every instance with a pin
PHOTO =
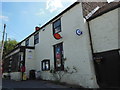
x=107, y=66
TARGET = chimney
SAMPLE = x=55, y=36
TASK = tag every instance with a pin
x=37, y=28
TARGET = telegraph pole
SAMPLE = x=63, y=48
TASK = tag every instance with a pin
x=2, y=46
x=6, y=37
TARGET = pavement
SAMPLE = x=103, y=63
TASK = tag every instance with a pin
x=31, y=84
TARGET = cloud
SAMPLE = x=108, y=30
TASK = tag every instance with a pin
x=40, y=12
x=53, y=5
x=4, y=18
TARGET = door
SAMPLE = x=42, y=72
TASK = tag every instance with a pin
x=107, y=65
x=58, y=57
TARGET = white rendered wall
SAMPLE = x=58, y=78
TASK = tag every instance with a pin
x=29, y=61
x=76, y=49
x=119, y=27
x=104, y=32
x=23, y=43
x=31, y=41
x=16, y=76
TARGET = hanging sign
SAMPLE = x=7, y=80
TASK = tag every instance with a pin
x=57, y=36
x=79, y=32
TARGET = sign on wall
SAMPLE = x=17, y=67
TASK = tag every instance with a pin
x=29, y=56
x=57, y=36
x=79, y=32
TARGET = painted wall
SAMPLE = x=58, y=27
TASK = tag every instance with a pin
x=23, y=43
x=29, y=61
x=104, y=32
x=31, y=41
x=76, y=49
x=16, y=76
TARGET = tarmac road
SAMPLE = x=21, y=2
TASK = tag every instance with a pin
x=31, y=85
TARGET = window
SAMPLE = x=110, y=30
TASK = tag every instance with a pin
x=57, y=26
x=58, y=57
x=27, y=42
x=45, y=65
x=36, y=38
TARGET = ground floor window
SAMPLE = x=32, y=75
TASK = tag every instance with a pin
x=45, y=65
x=58, y=57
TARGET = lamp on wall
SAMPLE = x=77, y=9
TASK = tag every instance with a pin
x=98, y=59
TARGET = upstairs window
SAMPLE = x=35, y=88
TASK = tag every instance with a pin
x=45, y=65
x=57, y=26
x=36, y=38
x=27, y=42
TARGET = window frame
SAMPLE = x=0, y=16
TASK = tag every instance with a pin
x=56, y=26
x=27, y=42
x=45, y=61
x=36, y=38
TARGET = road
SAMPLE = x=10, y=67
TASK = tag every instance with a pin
x=30, y=84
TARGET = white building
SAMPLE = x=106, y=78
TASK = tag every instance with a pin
x=85, y=47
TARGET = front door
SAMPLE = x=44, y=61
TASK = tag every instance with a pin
x=58, y=56
x=107, y=65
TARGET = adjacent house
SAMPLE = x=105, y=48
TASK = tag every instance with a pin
x=88, y=48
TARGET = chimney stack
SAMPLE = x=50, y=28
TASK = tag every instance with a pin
x=37, y=28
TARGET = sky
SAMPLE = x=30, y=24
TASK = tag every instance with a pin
x=21, y=18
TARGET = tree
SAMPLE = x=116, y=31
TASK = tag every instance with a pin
x=9, y=45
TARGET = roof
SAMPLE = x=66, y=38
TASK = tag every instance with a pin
x=89, y=6
x=106, y=8
x=27, y=47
